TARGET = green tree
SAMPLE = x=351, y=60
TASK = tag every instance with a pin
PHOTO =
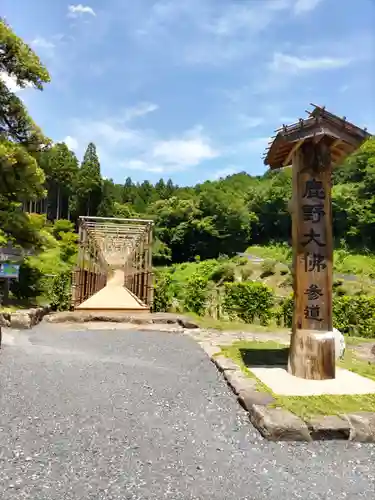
x=89, y=183
x=21, y=141
x=106, y=207
x=61, y=168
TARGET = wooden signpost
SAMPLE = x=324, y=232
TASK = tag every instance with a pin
x=313, y=146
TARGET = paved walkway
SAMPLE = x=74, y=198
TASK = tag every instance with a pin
x=114, y=296
x=115, y=414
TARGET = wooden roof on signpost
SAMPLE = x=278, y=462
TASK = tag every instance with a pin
x=344, y=137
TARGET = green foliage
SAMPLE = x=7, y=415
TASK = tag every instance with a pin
x=268, y=268
x=224, y=272
x=60, y=294
x=20, y=139
x=29, y=283
x=246, y=272
x=162, y=292
x=249, y=301
x=62, y=226
x=355, y=315
x=352, y=315
x=68, y=246
x=284, y=313
x=88, y=189
x=196, y=294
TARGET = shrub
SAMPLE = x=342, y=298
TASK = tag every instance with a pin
x=248, y=301
x=246, y=272
x=285, y=316
x=355, y=315
x=60, y=296
x=62, y=226
x=352, y=315
x=196, y=294
x=162, y=293
x=268, y=268
x=224, y=272
x=29, y=283
x=68, y=246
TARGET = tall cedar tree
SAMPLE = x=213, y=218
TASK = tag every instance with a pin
x=89, y=183
x=61, y=169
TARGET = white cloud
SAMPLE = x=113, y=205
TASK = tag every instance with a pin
x=251, y=17
x=186, y=152
x=40, y=42
x=79, y=9
x=122, y=146
x=143, y=166
x=71, y=142
x=11, y=83
x=294, y=64
x=302, y=6
x=142, y=109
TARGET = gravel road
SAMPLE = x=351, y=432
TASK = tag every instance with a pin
x=137, y=415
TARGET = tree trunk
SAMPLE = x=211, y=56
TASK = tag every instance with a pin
x=58, y=202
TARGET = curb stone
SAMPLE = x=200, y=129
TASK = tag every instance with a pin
x=224, y=363
x=24, y=319
x=362, y=426
x=278, y=424
x=329, y=427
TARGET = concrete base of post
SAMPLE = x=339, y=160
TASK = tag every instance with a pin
x=312, y=355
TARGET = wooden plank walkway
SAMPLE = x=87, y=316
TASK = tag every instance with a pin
x=114, y=297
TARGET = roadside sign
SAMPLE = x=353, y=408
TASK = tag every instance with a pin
x=10, y=253
x=9, y=270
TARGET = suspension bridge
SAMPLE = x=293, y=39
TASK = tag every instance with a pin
x=114, y=266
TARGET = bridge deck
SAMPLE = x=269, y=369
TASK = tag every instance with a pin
x=114, y=297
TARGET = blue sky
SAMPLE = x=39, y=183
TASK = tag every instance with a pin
x=192, y=89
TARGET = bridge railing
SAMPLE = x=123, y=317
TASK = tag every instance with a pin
x=141, y=284
x=86, y=283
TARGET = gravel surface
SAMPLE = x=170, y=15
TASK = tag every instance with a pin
x=110, y=414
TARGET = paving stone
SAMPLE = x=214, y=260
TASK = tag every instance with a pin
x=276, y=424
x=250, y=397
x=238, y=381
x=362, y=426
x=210, y=349
x=224, y=363
x=21, y=320
x=328, y=427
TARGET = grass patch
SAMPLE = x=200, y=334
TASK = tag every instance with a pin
x=222, y=325
x=250, y=353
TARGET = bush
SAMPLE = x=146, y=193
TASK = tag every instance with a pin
x=68, y=246
x=355, y=315
x=246, y=272
x=352, y=315
x=248, y=301
x=196, y=294
x=224, y=272
x=162, y=293
x=284, y=315
x=62, y=226
x=268, y=268
x=61, y=298
x=29, y=284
